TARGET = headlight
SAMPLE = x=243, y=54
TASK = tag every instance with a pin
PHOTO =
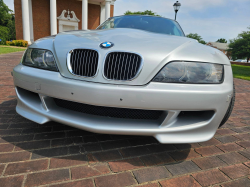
x=39, y=58
x=190, y=72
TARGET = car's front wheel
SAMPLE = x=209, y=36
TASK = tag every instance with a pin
x=229, y=110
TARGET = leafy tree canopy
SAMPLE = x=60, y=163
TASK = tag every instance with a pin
x=222, y=40
x=7, y=20
x=146, y=12
x=4, y=34
x=196, y=37
x=240, y=46
x=5, y=15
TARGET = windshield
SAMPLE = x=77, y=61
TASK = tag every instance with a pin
x=147, y=23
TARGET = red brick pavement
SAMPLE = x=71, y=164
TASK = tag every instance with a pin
x=58, y=155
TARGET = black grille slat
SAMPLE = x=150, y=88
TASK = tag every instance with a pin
x=87, y=63
x=84, y=62
x=109, y=111
x=90, y=69
x=108, y=68
x=118, y=67
x=121, y=71
x=122, y=66
x=79, y=62
x=136, y=64
x=128, y=67
x=132, y=65
x=125, y=72
x=82, y=65
x=89, y=60
x=114, y=65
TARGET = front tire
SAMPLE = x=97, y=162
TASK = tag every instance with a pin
x=229, y=110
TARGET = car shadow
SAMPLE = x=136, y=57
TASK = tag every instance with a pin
x=68, y=146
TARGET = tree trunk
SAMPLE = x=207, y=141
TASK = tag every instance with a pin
x=248, y=59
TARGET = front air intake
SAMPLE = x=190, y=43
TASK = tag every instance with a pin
x=122, y=66
x=109, y=111
x=83, y=62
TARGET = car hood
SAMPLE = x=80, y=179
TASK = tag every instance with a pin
x=155, y=49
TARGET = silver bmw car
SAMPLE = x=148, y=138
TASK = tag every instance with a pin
x=133, y=75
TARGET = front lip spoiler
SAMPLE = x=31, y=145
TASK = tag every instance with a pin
x=154, y=96
x=33, y=109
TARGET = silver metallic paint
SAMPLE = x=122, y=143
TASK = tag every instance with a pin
x=159, y=96
x=156, y=49
x=139, y=93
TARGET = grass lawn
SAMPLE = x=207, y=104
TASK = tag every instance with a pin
x=4, y=50
x=241, y=72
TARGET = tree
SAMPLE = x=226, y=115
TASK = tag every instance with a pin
x=4, y=34
x=7, y=23
x=146, y=12
x=12, y=28
x=240, y=46
x=222, y=40
x=5, y=15
x=196, y=37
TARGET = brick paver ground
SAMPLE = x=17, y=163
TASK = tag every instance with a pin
x=58, y=155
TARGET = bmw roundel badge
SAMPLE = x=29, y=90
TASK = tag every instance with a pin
x=106, y=45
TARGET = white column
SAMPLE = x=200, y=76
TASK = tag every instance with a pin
x=107, y=9
x=26, y=22
x=31, y=22
x=102, y=14
x=53, y=17
x=84, y=14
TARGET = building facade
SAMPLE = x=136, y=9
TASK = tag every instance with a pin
x=39, y=18
x=223, y=47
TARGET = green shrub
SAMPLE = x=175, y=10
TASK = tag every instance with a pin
x=20, y=43
x=4, y=34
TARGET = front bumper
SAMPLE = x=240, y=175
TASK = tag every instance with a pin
x=173, y=127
